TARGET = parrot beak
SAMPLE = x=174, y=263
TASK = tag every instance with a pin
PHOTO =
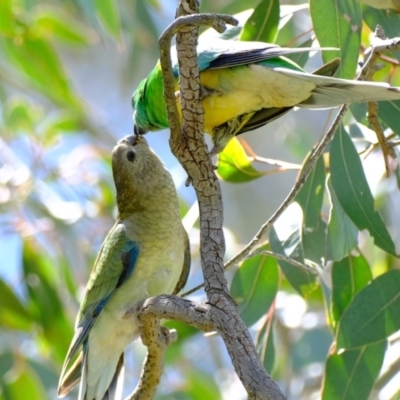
x=138, y=131
x=131, y=139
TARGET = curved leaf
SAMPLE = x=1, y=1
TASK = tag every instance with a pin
x=342, y=234
x=351, y=374
x=263, y=23
x=337, y=23
x=36, y=59
x=107, y=11
x=311, y=195
x=373, y=315
x=353, y=192
x=265, y=345
x=13, y=314
x=51, y=21
x=234, y=165
x=254, y=287
x=26, y=385
x=349, y=276
x=288, y=242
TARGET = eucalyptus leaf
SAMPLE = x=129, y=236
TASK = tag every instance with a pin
x=352, y=190
x=349, y=276
x=351, y=374
x=263, y=24
x=337, y=23
x=373, y=315
x=342, y=234
x=255, y=286
x=234, y=165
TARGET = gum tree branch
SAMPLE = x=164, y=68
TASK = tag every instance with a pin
x=188, y=145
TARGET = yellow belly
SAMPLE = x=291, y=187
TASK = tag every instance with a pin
x=246, y=89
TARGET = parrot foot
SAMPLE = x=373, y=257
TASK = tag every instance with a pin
x=204, y=92
x=133, y=312
x=167, y=336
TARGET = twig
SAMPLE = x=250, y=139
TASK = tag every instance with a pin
x=268, y=253
x=387, y=150
x=156, y=339
x=295, y=263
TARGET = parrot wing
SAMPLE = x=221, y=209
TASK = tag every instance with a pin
x=267, y=115
x=228, y=53
x=113, y=266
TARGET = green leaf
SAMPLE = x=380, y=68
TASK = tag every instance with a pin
x=359, y=111
x=353, y=192
x=107, y=11
x=13, y=314
x=373, y=315
x=342, y=233
x=263, y=23
x=36, y=59
x=254, y=287
x=234, y=165
x=51, y=21
x=311, y=195
x=44, y=301
x=313, y=241
x=304, y=282
x=337, y=23
x=310, y=198
x=25, y=384
x=265, y=346
x=351, y=374
x=389, y=113
x=8, y=23
x=19, y=114
x=349, y=276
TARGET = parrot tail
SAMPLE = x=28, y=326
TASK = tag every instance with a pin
x=104, y=381
x=333, y=92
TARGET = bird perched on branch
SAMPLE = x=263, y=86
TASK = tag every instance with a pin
x=145, y=254
x=245, y=85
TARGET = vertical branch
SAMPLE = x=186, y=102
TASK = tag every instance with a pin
x=190, y=149
x=200, y=169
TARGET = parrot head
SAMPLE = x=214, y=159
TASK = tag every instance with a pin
x=137, y=171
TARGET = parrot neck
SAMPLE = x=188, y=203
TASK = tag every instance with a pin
x=134, y=202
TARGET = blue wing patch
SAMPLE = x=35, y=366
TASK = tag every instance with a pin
x=129, y=256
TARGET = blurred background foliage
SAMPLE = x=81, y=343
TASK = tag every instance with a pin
x=67, y=72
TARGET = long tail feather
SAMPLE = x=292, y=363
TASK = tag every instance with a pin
x=114, y=391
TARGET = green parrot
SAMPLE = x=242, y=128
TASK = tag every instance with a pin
x=245, y=85
x=145, y=254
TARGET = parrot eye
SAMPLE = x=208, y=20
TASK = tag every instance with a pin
x=130, y=156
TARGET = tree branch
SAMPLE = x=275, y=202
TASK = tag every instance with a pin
x=188, y=145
